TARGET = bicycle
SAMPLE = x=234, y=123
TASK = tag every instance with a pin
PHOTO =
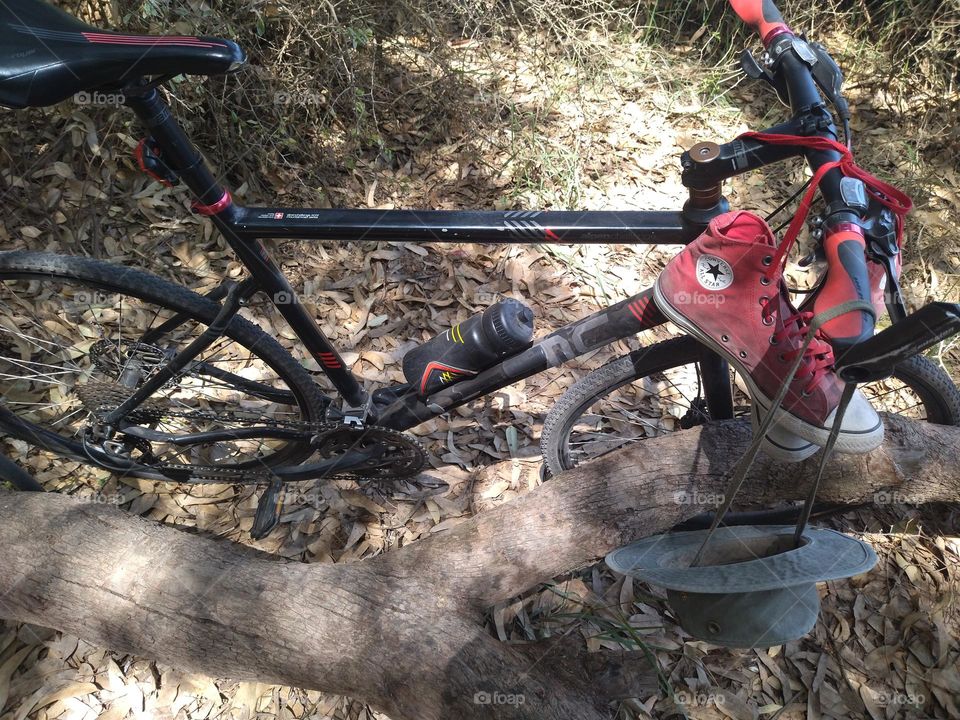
x=170, y=385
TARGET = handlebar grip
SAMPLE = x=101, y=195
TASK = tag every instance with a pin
x=847, y=279
x=762, y=16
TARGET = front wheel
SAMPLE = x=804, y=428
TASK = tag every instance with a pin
x=660, y=389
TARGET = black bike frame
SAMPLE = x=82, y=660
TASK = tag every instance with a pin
x=245, y=229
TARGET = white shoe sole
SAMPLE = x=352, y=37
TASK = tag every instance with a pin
x=848, y=441
x=780, y=445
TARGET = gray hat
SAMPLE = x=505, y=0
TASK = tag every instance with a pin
x=753, y=588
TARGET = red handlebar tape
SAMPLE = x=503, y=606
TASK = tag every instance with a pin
x=762, y=16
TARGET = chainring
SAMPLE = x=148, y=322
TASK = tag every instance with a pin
x=403, y=455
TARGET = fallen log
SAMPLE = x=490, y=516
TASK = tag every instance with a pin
x=403, y=631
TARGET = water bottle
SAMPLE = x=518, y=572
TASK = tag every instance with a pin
x=502, y=330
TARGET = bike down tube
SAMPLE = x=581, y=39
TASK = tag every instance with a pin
x=403, y=409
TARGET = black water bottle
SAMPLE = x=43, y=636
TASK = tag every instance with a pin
x=464, y=350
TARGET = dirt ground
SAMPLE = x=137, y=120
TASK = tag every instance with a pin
x=886, y=645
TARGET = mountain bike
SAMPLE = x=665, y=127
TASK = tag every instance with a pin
x=125, y=371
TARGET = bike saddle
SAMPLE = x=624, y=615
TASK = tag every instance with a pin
x=47, y=56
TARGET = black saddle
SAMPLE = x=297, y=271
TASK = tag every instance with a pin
x=47, y=56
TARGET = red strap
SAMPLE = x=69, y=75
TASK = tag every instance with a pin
x=218, y=207
x=889, y=196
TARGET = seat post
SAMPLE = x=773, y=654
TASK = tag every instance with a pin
x=178, y=150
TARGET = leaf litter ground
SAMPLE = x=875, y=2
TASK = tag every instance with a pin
x=886, y=644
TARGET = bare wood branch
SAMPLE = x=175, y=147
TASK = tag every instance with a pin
x=401, y=631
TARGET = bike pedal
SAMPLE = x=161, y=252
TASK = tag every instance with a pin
x=268, y=510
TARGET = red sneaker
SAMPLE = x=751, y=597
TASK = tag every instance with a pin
x=717, y=290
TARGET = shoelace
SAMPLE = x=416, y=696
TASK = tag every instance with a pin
x=813, y=356
x=896, y=200
x=818, y=355
x=819, y=360
x=739, y=472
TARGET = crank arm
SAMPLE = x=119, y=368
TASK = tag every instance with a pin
x=325, y=468
x=269, y=510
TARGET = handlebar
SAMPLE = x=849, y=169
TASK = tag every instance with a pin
x=794, y=64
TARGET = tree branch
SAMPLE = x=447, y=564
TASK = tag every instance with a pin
x=401, y=631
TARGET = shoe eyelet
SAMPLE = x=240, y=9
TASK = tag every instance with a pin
x=774, y=341
x=805, y=394
x=782, y=358
x=768, y=321
x=767, y=259
x=763, y=300
x=743, y=355
x=725, y=338
x=764, y=280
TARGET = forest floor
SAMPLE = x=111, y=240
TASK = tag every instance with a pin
x=533, y=135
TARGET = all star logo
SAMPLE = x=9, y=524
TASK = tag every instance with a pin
x=714, y=273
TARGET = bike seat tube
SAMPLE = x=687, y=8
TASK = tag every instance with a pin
x=178, y=151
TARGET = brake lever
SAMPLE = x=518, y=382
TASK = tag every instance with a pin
x=826, y=73
x=753, y=70
x=880, y=230
x=829, y=78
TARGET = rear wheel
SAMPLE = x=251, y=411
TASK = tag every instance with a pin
x=79, y=336
x=660, y=389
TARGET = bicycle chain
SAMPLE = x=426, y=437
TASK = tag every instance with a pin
x=324, y=436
